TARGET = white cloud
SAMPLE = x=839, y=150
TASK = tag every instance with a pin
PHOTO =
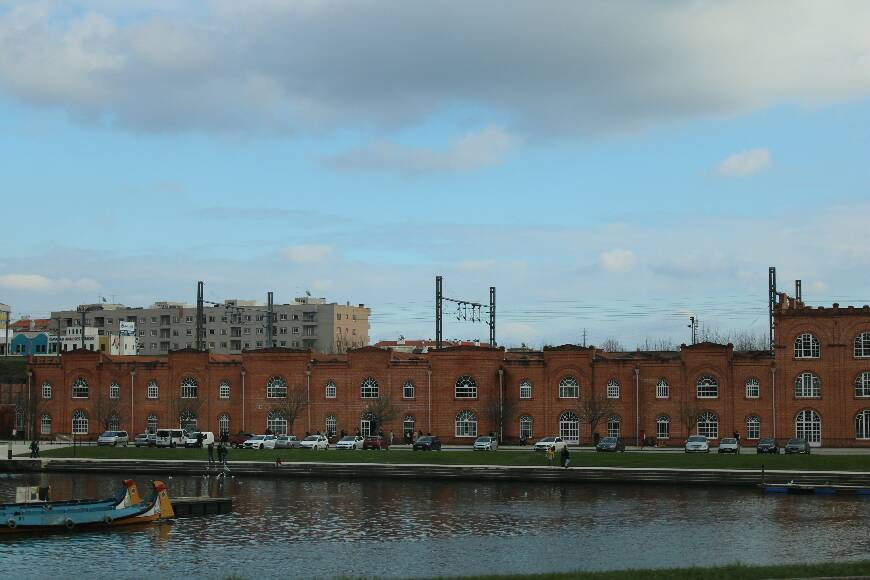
x=618, y=260
x=39, y=283
x=308, y=253
x=744, y=163
x=475, y=150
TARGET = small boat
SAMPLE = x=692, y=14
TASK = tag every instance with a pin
x=814, y=489
x=28, y=499
x=51, y=516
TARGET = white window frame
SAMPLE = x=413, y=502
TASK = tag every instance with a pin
x=707, y=387
x=224, y=390
x=465, y=424
x=862, y=345
x=331, y=390
x=753, y=388
x=369, y=388
x=408, y=390
x=806, y=345
x=614, y=423
x=663, y=427
x=224, y=423
x=189, y=388
x=526, y=427
x=465, y=388
x=525, y=389
x=80, y=389
x=114, y=393
x=569, y=427
x=152, y=390
x=46, y=390
x=663, y=390
x=807, y=385
x=753, y=427
x=708, y=425
x=113, y=423
x=276, y=388
x=862, y=424
x=569, y=388
x=612, y=389
x=862, y=385
x=188, y=420
x=330, y=425
x=276, y=422
x=45, y=424
x=80, y=423
x=808, y=425
x=152, y=423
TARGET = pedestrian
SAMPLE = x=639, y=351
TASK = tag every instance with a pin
x=199, y=440
x=565, y=457
x=34, y=449
x=551, y=454
x=391, y=437
x=211, y=454
x=222, y=455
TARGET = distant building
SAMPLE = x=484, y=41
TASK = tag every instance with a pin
x=423, y=345
x=6, y=332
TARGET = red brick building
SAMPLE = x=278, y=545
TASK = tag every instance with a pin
x=817, y=384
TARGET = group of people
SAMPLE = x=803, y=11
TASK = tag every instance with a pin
x=564, y=456
x=223, y=449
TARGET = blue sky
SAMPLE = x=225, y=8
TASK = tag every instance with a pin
x=608, y=168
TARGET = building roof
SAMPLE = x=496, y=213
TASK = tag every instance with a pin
x=27, y=324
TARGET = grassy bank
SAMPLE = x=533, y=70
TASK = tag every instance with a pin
x=585, y=459
x=734, y=572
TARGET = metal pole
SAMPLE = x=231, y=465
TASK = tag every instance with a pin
x=771, y=303
x=84, y=310
x=438, y=311
x=797, y=291
x=200, y=330
x=492, y=316
x=637, y=406
x=6, y=323
x=269, y=315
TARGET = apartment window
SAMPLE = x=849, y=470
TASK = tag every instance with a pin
x=525, y=427
x=282, y=330
x=153, y=333
x=707, y=387
x=613, y=423
x=247, y=345
x=663, y=389
x=46, y=390
x=283, y=343
x=188, y=332
x=110, y=320
x=862, y=385
x=753, y=427
x=276, y=388
x=295, y=330
x=188, y=319
x=211, y=319
x=114, y=391
x=806, y=346
x=753, y=390
x=525, y=389
x=247, y=330
x=295, y=344
x=152, y=390
x=663, y=427
x=282, y=317
x=141, y=320
x=80, y=388
x=153, y=346
x=223, y=331
x=466, y=388
x=408, y=390
x=466, y=423
x=259, y=331
x=331, y=390
x=223, y=345
x=862, y=345
x=295, y=317
x=569, y=388
x=259, y=344
x=141, y=333
x=175, y=320
x=211, y=330
x=368, y=389
x=338, y=316
x=613, y=389
x=153, y=320
x=807, y=385
x=174, y=333
x=224, y=390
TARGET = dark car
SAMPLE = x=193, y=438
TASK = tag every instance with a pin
x=767, y=446
x=427, y=443
x=238, y=440
x=797, y=445
x=611, y=444
x=376, y=442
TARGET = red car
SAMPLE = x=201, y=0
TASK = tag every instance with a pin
x=376, y=442
x=238, y=439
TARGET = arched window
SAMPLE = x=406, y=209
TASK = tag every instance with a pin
x=188, y=388
x=613, y=423
x=807, y=385
x=753, y=389
x=808, y=425
x=369, y=389
x=663, y=389
x=707, y=387
x=331, y=390
x=276, y=422
x=708, y=425
x=224, y=390
x=408, y=389
x=276, y=388
x=569, y=388
x=79, y=422
x=19, y=419
x=862, y=345
x=862, y=424
x=465, y=388
x=224, y=423
x=187, y=420
x=152, y=423
x=569, y=426
x=152, y=391
x=45, y=424
x=466, y=423
x=330, y=424
x=663, y=427
x=526, y=427
x=408, y=426
x=114, y=392
x=525, y=389
x=806, y=346
x=612, y=389
x=753, y=427
x=367, y=423
x=46, y=390
x=80, y=388
x=862, y=385
x=113, y=423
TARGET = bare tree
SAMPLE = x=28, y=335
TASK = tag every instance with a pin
x=689, y=413
x=183, y=407
x=592, y=409
x=292, y=406
x=743, y=340
x=499, y=412
x=658, y=344
x=612, y=345
x=380, y=412
x=106, y=409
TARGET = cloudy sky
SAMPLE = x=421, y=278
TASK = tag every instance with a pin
x=613, y=167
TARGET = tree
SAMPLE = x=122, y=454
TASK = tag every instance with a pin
x=183, y=407
x=499, y=412
x=105, y=409
x=612, y=345
x=658, y=344
x=594, y=408
x=292, y=405
x=689, y=413
x=380, y=412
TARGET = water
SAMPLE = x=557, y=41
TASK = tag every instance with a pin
x=306, y=528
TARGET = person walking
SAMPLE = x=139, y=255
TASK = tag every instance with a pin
x=391, y=438
x=551, y=455
x=211, y=454
x=34, y=449
x=565, y=457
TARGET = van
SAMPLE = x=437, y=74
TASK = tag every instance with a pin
x=193, y=438
x=169, y=437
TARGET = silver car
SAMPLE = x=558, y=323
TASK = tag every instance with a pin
x=697, y=444
x=729, y=445
x=286, y=442
x=113, y=438
x=486, y=444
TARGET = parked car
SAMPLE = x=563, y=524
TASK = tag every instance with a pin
x=376, y=442
x=350, y=442
x=729, y=445
x=797, y=445
x=192, y=439
x=697, y=444
x=315, y=442
x=286, y=442
x=485, y=443
x=142, y=440
x=260, y=442
x=113, y=438
x=427, y=443
x=238, y=440
x=547, y=442
x=610, y=444
x=767, y=446
x=170, y=437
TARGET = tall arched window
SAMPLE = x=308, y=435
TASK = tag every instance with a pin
x=569, y=426
x=80, y=388
x=369, y=389
x=862, y=424
x=276, y=422
x=330, y=425
x=276, y=388
x=224, y=423
x=19, y=418
x=408, y=426
x=45, y=424
x=466, y=423
x=612, y=389
x=708, y=425
x=526, y=424
x=862, y=385
x=187, y=420
x=331, y=390
x=569, y=388
x=753, y=389
x=807, y=385
x=613, y=423
x=189, y=388
x=113, y=423
x=46, y=390
x=152, y=423
x=753, y=427
x=408, y=389
x=862, y=345
x=367, y=423
x=707, y=387
x=808, y=425
x=114, y=391
x=525, y=389
x=465, y=388
x=79, y=422
x=153, y=391
x=663, y=389
x=663, y=427
x=806, y=345
x=224, y=390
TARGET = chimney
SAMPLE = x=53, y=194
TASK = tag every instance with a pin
x=797, y=291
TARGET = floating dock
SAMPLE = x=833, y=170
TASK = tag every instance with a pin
x=815, y=489
x=188, y=507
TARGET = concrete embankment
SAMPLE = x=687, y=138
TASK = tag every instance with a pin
x=705, y=477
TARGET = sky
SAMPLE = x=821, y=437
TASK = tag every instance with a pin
x=612, y=168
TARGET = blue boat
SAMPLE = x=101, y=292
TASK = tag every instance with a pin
x=128, y=493
x=814, y=489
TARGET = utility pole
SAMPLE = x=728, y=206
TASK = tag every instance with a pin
x=771, y=303
x=439, y=313
x=797, y=291
x=200, y=330
x=693, y=324
x=269, y=317
x=584, y=338
x=492, y=316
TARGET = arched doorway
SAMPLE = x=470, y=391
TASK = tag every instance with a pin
x=569, y=427
x=808, y=425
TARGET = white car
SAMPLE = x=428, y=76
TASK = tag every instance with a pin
x=315, y=442
x=547, y=442
x=697, y=444
x=113, y=438
x=350, y=442
x=260, y=442
x=485, y=444
x=729, y=445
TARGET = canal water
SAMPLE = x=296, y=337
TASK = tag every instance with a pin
x=284, y=528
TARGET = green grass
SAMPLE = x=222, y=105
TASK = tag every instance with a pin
x=526, y=457
x=732, y=572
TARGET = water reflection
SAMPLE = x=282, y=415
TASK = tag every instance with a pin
x=412, y=528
